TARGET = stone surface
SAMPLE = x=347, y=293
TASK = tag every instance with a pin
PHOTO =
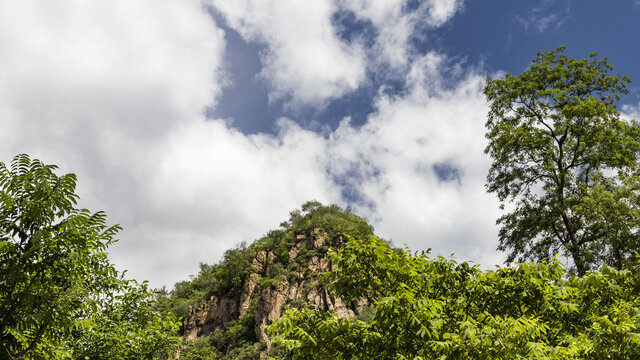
x=247, y=293
x=258, y=262
x=205, y=318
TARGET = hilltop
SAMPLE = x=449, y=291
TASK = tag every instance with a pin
x=226, y=306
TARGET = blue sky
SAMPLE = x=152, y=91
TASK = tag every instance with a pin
x=198, y=124
x=499, y=35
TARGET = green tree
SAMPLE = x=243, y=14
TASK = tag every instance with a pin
x=59, y=295
x=564, y=158
x=439, y=309
x=126, y=326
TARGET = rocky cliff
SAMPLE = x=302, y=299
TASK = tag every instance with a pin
x=276, y=281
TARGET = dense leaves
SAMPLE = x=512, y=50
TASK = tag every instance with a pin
x=570, y=164
x=125, y=327
x=439, y=309
x=59, y=295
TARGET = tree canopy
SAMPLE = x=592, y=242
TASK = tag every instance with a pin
x=60, y=297
x=565, y=162
x=422, y=308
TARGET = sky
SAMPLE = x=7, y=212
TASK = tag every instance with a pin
x=198, y=124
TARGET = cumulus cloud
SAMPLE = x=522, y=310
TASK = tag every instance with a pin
x=304, y=60
x=398, y=153
x=213, y=187
x=631, y=111
x=395, y=23
x=98, y=87
x=115, y=92
x=307, y=63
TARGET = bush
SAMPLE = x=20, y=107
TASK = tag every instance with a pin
x=438, y=308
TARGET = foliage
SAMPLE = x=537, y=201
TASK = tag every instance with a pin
x=331, y=219
x=56, y=280
x=440, y=309
x=235, y=341
x=225, y=279
x=235, y=334
x=126, y=327
x=570, y=164
x=204, y=348
x=232, y=271
x=200, y=349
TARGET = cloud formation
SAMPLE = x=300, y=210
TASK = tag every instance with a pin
x=631, y=111
x=116, y=92
x=104, y=70
x=396, y=21
x=98, y=88
x=305, y=60
x=397, y=155
x=547, y=15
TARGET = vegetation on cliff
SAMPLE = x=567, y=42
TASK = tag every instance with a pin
x=283, y=256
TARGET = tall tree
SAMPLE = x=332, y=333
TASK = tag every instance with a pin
x=60, y=297
x=565, y=161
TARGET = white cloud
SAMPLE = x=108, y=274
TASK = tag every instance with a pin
x=543, y=23
x=115, y=92
x=97, y=88
x=100, y=69
x=545, y=16
x=631, y=111
x=403, y=141
x=440, y=11
x=305, y=61
x=395, y=24
x=212, y=187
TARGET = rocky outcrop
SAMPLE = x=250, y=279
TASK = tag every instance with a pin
x=208, y=317
x=267, y=300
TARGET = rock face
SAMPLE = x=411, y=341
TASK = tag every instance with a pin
x=209, y=316
x=267, y=300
